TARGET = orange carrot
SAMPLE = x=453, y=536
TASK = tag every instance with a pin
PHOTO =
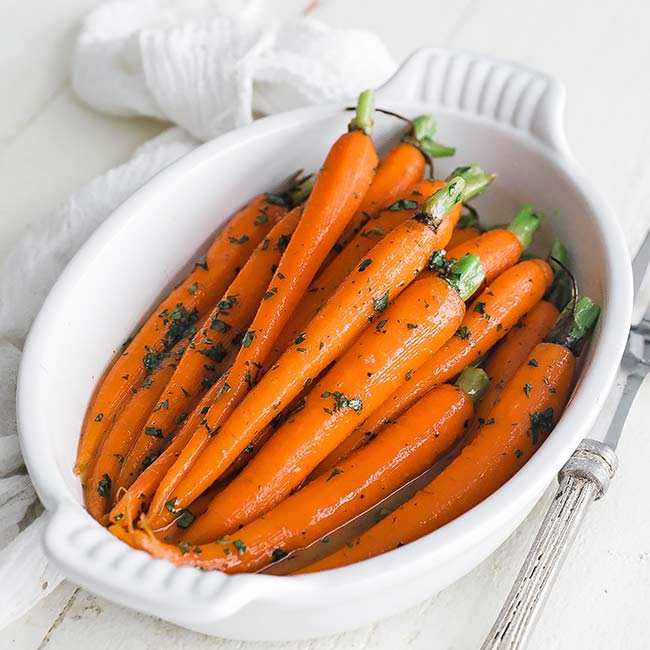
x=400, y=338
x=512, y=351
x=175, y=317
x=99, y=485
x=529, y=408
x=488, y=319
x=209, y=349
x=461, y=235
x=419, y=438
x=500, y=248
x=377, y=227
x=337, y=194
x=394, y=263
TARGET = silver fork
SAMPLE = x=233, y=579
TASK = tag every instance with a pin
x=584, y=479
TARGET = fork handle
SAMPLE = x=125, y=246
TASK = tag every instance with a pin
x=583, y=479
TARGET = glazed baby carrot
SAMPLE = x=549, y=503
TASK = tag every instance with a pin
x=468, y=227
x=337, y=194
x=177, y=314
x=487, y=320
x=500, y=248
x=399, y=169
x=513, y=350
x=399, y=338
x=529, y=408
x=100, y=483
x=347, y=260
x=210, y=348
x=417, y=440
x=391, y=265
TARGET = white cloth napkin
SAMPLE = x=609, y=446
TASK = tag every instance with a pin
x=207, y=66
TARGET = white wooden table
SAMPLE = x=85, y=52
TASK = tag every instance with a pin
x=50, y=144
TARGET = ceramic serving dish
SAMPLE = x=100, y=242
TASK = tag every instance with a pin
x=507, y=118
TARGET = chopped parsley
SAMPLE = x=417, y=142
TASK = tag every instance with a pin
x=403, y=204
x=216, y=353
x=533, y=362
x=104, y=486
x=335, y=472
x=270, y=293
x=527, y=389
x=381, y=303
x=219, y=325
x=162, y=405
x=153, y=431
x=193, y=288
x=170, y=506
x=202, y=263
x=248, y=338
x=541, y=423
x=242, y=240
x=463, y=333
x=365, y=264
x=300, y=338
x=99, y=417
x=152, y=360
x=185, y=519
x=278, y=554
x=240, y=546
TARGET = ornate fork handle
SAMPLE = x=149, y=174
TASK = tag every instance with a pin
x=583, y=479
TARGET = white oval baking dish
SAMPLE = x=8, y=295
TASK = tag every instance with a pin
x=503, y=116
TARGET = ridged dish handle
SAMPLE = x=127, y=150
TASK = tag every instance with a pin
x=525, y=99
x=92, y=558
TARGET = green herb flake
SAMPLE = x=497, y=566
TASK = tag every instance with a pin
x=275, y=199
x=270, y=293
x=120, y=458
x=202, y=263
x=411, y=326
x=242, y=240
x=335, y=472
x=403, y=204
x=104, y=486
x=278, y=554
x=148, y=460
x=283, y=242
x=99, y=417
x=463, y=333
x=153, y=431
x=185, y=519
x=152, y=360
x=240, y=546
x=527, y=389
x=170, y=506
x=261, y=218
x=381, y=303
x=365, y=264
x=162, y=405
x=541, y=423
x=381, y=324
x=193, y=288
x=248, y=338
x=409, y=375
x=533, y=362
x=306, y=382
x=300, y=338
x=216, y=353
x=184, y=547
x=479, y=308
x=219, y=325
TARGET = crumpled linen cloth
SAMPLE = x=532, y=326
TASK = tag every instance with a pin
x=206, y=65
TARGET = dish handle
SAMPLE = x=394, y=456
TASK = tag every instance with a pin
x=93, y=558
x=525, y=99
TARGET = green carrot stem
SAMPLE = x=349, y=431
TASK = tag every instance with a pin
x=525, y=224
x=440, y=203
x=475, y=178
x=364, y=117
x=574, y=325
x=300, y=189
x=466, y=275
x=474, y=381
